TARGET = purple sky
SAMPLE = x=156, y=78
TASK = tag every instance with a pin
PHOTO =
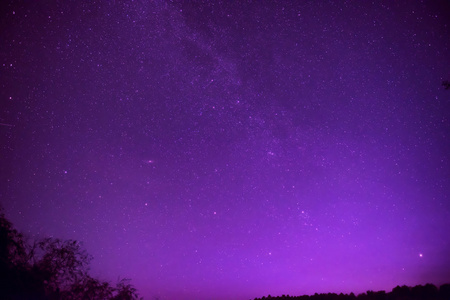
x=232, y=150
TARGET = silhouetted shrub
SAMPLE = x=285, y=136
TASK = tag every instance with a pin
x=50, y=269
x=444, y=291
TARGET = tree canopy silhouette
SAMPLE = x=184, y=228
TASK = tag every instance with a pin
x=50, y=269
x=418, y=292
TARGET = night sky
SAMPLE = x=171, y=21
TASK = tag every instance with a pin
x=230, y=150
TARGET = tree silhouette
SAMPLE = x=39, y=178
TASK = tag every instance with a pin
x=400, y=292
x=419, y=292
x=50, y=269
x=90, y=288
x=444, y=291
x=60, y=263
x=125, y=290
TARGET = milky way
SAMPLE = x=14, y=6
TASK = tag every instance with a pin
x=231, y=150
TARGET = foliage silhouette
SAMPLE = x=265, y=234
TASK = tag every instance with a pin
x=53, y=269
x=50, y=269
x=418, y=292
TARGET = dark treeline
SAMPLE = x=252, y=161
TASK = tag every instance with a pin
x=418, y=292
x=53, y=269
x=50, y=269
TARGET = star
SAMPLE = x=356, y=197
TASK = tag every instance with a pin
x=295, y=131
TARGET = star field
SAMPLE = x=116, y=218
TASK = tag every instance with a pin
x=230, y=150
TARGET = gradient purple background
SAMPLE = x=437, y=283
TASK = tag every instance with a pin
x=232, y=150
